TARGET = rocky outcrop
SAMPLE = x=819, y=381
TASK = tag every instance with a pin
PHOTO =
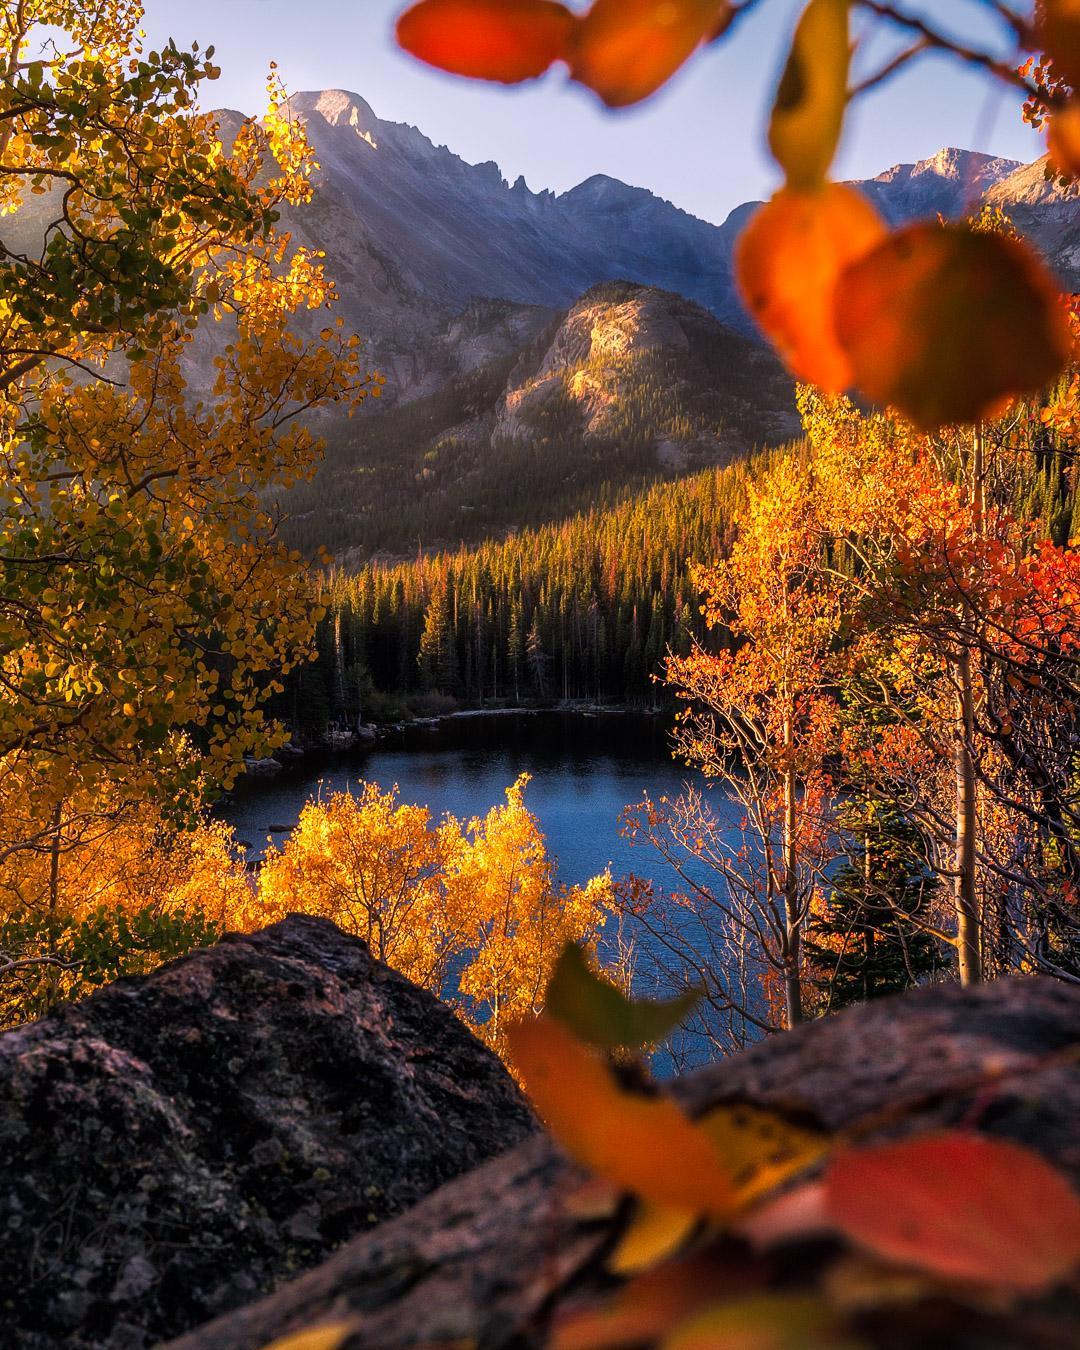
x=178, y=1144
x=486, y=1260
x=632, y=362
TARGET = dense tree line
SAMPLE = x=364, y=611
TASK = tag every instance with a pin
x=580, y=610
x=583, y=610
x=446, y=469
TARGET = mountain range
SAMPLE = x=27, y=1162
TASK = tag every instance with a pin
x=413, y=233
x=541, y=349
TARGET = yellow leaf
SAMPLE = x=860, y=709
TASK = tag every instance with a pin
x=328, y=1337
x=652, y=1235
x=760, y=1148
x=764, y=1322
x=808, y=114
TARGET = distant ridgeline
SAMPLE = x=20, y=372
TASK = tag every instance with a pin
x=585, y=609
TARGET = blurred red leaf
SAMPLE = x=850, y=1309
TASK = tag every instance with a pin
x=960, y=1206
x=503, y=40
x=787, y=264
x=946, y=324
x=625, y=50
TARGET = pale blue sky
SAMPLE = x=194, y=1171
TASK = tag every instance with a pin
x=698, y=143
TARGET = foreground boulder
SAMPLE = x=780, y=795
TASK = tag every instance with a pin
x=177, y=1144
x=489, y=1258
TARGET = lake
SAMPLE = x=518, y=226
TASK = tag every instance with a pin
x=585, y=770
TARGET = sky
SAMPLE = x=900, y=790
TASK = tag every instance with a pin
x=698, y=143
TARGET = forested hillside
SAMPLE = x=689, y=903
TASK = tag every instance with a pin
x=583, y=609
x=630, y=384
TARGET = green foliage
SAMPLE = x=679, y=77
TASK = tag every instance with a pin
x=59, y=957
x=867, y=941
x=600, y=1014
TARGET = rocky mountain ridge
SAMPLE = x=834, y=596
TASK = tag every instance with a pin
x=414, y=233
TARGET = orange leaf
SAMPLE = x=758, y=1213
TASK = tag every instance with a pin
x=504, y=40
x=641, y=1144
x=1058, y=33
x=947, y=324
x=787, y=263
x=626, y=49
x=960, y=1206
x=1063, y=139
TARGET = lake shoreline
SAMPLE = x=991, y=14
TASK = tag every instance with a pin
x=337, y=740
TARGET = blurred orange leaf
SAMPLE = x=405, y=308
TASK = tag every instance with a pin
x=642, y=1144
x=329, y=1336
x=1063, y=139
x=645, y=1307
x=787, y=264
x=1058, y=33
x=503, y=40
x=808, y=114
x=960, y=1206
x=626, y=49
x=946, y=324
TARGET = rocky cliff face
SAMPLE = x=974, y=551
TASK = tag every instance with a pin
x=413, y=232
x=178, y=1144
x=700, y=391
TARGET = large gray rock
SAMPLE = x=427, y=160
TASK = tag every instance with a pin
x=178, y=1144
x=486, y=1260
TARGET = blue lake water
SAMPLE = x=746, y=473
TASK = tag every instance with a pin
x=585, y=771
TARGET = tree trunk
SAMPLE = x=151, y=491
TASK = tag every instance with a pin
x=967, y=904
x=792, y=918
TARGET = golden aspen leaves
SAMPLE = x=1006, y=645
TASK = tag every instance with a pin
x=787, y=265
x=503, y=40
x=946, y=324
x=808, y=114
